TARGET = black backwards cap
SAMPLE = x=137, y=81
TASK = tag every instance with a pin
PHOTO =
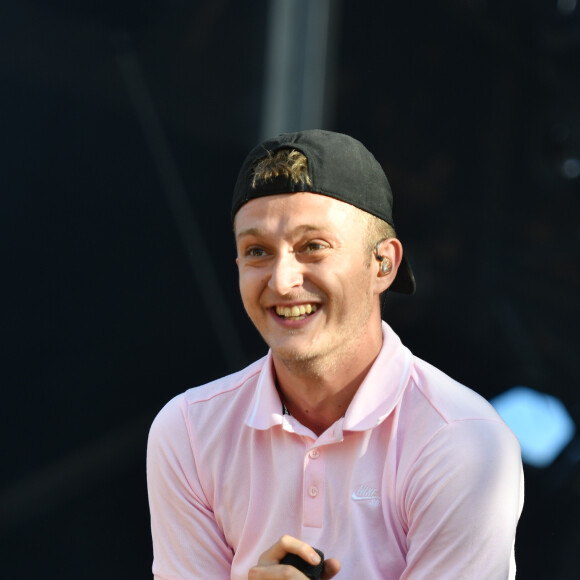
x=340, y=167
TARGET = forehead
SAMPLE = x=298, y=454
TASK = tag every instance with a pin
x=294, y=210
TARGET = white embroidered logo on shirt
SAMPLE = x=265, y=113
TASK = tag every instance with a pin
x=366, y=493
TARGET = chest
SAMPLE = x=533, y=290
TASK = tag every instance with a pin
x=339, y=495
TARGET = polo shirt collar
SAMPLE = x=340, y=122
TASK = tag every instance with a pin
x=383, y=386
x=266, y=408
x=373, y=403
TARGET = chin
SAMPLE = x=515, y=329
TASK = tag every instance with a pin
x=293, y=353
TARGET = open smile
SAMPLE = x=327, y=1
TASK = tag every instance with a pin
x=296, y=312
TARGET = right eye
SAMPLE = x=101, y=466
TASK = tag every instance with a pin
x=255, y=252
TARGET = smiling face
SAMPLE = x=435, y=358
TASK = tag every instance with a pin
x=306, y=279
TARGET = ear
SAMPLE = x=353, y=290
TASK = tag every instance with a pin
x=389, y=254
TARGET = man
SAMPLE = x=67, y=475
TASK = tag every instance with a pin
x=339, y=438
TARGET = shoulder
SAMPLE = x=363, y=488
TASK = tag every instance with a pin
x=447, y=398
x=224, y=396
x=441, y=418
x=224, y=387
x=452, y=433
x=455, y=438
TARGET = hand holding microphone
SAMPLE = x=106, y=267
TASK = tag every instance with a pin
x=288, y=551
x=311, y=571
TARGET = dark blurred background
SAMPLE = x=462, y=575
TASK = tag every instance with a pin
x=123, y=125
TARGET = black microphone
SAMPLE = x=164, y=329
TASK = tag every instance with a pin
x=310, y=571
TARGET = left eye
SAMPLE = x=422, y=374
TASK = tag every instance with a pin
x=313, y=247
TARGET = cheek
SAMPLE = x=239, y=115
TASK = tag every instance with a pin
x=244, y=286
x=250, y=287
x=359, y=286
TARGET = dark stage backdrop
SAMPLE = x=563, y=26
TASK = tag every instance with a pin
x=123, y=125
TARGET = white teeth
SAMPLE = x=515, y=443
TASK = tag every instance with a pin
x=295, y=311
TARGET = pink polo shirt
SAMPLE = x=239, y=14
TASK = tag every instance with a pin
x=419, y=480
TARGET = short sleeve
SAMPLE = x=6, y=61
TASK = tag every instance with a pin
x=187, y=542
x=462, y=501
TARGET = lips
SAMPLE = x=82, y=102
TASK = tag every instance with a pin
x=295, y=312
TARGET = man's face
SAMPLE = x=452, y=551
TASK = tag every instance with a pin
x=305, y=277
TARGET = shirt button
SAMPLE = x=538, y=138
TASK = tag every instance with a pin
x=312, y=491
x=314, y=454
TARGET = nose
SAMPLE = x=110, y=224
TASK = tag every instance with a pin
x=286, y=274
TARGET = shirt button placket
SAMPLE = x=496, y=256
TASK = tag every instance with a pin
x=313, y=494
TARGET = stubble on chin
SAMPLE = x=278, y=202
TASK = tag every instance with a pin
x=311, y=364
x=304, y=365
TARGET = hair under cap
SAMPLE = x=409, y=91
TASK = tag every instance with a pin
x=340, y=167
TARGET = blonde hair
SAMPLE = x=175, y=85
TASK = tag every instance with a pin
x=377, y=229
x=283, y=163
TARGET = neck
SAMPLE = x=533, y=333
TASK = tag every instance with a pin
x=318, y=392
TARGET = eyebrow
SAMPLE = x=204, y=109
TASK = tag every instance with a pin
x=261, y=232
